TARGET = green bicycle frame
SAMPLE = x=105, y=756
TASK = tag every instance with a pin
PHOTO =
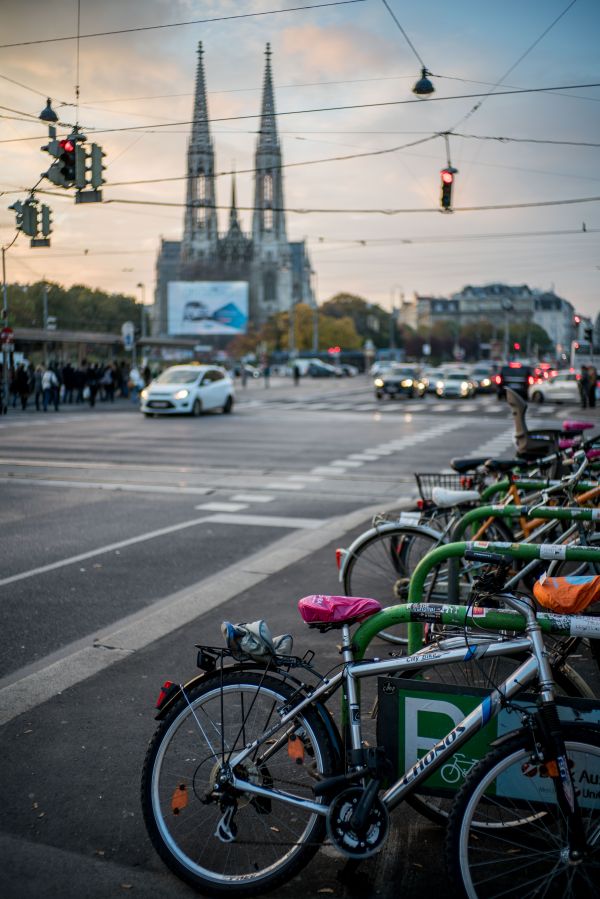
x=524, y=552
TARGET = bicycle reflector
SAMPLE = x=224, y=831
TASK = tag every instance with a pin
x=339, y=557
x=166, y=691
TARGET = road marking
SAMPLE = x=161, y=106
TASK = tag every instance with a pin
x=252, y=498
x=348, y=463
x=329, y=470
x=105, y=485
x=27, y=688
x=363, y=457
x=111, y=547
x=269, y=521
x=283, y=485
x=308, y=478
x=221, y=507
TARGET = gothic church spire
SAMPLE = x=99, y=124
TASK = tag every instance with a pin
x=200, y=228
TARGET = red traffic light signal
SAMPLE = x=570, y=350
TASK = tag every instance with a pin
x=517, y=346
x=67, y=158
x=447, y=182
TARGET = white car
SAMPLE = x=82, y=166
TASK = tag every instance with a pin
x=188, y=390
x=562, y=388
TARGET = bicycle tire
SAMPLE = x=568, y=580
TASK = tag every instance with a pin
x=381, y=566
x=483, y=673
x=523, y=851
x=273, y=840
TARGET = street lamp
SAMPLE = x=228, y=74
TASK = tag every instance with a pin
x=143, y=321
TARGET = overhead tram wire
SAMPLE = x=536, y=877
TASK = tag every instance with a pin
x=249, y=15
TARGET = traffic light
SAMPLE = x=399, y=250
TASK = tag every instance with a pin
x=61, y=172
x=517, y=346
x=97, y=179
x=46, y=220
x=30, y=218
x=80, y=166
x=447, y=182
x=588, y=333
x=18, y=208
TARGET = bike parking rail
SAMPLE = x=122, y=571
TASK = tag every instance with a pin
x=560, y=513
x=524, y=552
x=531, y=484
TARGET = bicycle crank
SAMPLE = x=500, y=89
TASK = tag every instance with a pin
x=360, y=842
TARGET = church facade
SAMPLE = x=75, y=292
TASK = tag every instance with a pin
x=278, y=272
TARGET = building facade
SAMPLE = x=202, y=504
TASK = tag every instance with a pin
x=277, y=271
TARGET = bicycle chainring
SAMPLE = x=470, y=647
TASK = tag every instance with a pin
x=339, y=825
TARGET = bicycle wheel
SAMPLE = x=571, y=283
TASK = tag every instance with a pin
x=482, y=673
x=269, y=840
x=523, y=849
x=381, y=566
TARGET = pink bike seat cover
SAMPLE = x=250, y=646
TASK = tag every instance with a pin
x=573, y=425
x=566, y=443
x=593, y=454
x=322, y=609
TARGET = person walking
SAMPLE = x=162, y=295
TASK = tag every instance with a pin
x=296, y=374
x=584, y=392
x=50, y=387
x=22, y=385
x=592, y=382
x=38, y=391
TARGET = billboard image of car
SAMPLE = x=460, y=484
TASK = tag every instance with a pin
x=207, y=307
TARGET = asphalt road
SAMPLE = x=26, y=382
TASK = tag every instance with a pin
x=124, y=542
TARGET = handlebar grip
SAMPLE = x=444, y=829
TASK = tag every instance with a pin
x=474, y=555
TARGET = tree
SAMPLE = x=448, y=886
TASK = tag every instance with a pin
x=371, y=322
x=77, y=308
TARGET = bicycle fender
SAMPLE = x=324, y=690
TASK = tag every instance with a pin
x=322, y=711
x=385, y=529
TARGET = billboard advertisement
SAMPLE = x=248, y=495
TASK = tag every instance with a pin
x=207, y=307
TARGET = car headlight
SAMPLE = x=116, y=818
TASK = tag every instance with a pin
x=378, y=382
x=181, y=394
x=439, y=385
x=485, y=383
x=407, y=382
x=144, y=394
x=464, y=385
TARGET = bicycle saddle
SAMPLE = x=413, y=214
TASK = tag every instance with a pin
x=505, y=464
x=319, y=609
x=567, y=594
x=572, y=426
x=445, y=499
x=463, y=465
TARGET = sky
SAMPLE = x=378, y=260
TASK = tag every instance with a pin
x=136, y=100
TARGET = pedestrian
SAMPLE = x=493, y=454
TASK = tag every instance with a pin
x=50, y=388
x=135, y=383
x=584, y=390
x=22, y=385
x=592, y=382
x=244, y=374
x=296, y=374
x=267, y=373
x=38, y=392
x=108, y=383
x=68, y=377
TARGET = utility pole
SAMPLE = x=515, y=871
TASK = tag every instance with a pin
x=143, y=320
x=45, y=298
x=315, y=315
x=4, y=400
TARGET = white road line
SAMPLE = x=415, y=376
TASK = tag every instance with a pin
x=363, y=457
x=101, y=550
x=27, y=688
x=104, y=485
x=221, y=507
x=283, y=485
x=348, y=463
x=269, y=521
x=329, y=470
x=307, y=478
x=252, y=498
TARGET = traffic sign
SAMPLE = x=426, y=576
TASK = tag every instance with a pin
x=7, y=339
x=128, y=335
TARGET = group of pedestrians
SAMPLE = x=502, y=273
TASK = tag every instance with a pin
x=587, y=386
x=49, y=386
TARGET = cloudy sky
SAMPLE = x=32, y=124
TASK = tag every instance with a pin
x=135, y=99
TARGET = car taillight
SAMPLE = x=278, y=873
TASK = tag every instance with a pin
x=498, y=379
x=530, y=380
x=165, y=691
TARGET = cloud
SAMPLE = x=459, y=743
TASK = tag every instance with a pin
x=332, y=51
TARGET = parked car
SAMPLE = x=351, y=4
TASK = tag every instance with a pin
x=515, y=375
x=455, y=383
x=318, y=369
x=188, y=390
x=561, y=388
x=399, y=380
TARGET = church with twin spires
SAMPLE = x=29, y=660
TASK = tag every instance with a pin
x=277, y=271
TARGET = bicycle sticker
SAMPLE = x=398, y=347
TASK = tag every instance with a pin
x=419, y=610
x=409, y=518
x=584, y=626
x=553, y=552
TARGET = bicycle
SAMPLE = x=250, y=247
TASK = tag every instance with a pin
x=248, y=770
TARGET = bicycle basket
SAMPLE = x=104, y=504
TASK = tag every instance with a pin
x=426, y=482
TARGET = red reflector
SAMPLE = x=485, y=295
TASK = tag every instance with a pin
x=420, y=504
x=164, y=690
x=339, y=555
